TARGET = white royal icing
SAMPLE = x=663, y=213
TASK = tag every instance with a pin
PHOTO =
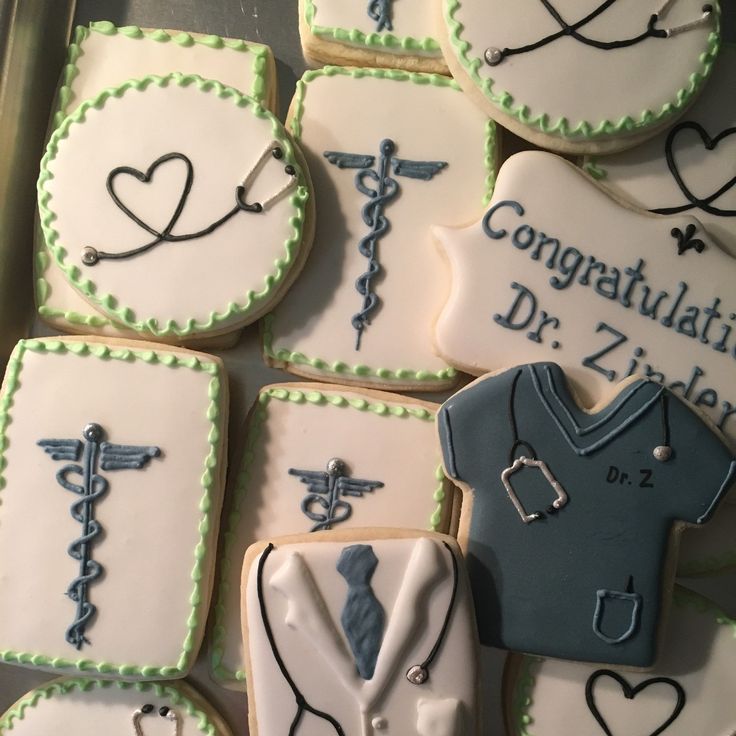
x=158, y=522
x=587, y=340
x=643, y=175
x=102, y=60
x=413, y=582
x=162, y=291
x=567, y=80
x=91, y=707
x=380, y=437
x=698, y=654
x=311, y=332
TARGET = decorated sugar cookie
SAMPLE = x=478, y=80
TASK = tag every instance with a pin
x=325, y=458
x=112, y=477
x=382, y=33
x=102, y=56
x=137, y=206
x=360, y=633
x=89, y=707
x=581, y=77
x=558, y=496
x=689, y=168
x=558, y=270
x=690, y=691
x=362, y=310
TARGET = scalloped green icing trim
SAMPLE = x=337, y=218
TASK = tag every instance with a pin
x=376, y=41
x=207, y=525
x=261, y=55
x=253, y=435
x=122, y=314
x=522, y=700
x=490, y=159
x=583, y=129
x=63, y=687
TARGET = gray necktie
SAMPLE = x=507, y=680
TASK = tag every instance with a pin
x=362, y=617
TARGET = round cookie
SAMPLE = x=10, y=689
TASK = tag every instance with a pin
x=689, y=692
x=566, y=77
x=176, y=206
x=91, y=707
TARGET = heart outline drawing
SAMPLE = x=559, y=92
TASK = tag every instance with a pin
x=630, y=692
x=710, y=143
x=146, y=178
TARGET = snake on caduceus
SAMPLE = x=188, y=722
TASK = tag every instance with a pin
x=373, y=216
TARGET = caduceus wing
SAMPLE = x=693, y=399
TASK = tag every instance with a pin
x=357, y=486
x=317, y=481
x=425, y=170
x=62, y=449
x=121, y=457
x=349, y=160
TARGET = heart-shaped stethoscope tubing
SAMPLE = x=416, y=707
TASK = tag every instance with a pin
x=164, y=712
x=417, y=674
x=495, y=55
x=91, y=255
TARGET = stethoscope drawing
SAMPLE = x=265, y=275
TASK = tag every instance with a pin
x=495, y=55
x=164, y=711
x=417, y=674
x=91, y=255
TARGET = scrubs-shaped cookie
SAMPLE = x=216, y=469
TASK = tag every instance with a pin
x=559, y=270
x=166, y=231
x=102, y=56
x=558, y=496
x=690, y=691
x=321, y=457
x=390, y=153
x=88, y=707
x=360, y=633
x=690, y=167
x=580, y=76
x=384, y=33
x=113, y=465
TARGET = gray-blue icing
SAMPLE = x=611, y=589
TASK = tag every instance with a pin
x=362, y=617
x=632, y=602
x=92, y=453
x=376, y=183
x=326, y=489
x=536, y=585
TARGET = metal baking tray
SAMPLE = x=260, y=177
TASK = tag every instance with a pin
x=33, y=38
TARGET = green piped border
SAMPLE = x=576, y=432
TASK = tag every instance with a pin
x=594, y=164
x=261, y=54
x=210, y=475
x=124, y=315
x=376, y=41
x=63, y=687
x=581, y=130
x=253, y=434
x=522, y=699
x=491, y=162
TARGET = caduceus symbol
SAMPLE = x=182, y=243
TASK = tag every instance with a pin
x=381, y=188
x=325, y=488
x=94, y=453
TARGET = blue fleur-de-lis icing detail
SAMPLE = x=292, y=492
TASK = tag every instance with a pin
x=380, y=11
x=381, y=188
x=325, y=488
x=93, y=453
x=686, y=241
